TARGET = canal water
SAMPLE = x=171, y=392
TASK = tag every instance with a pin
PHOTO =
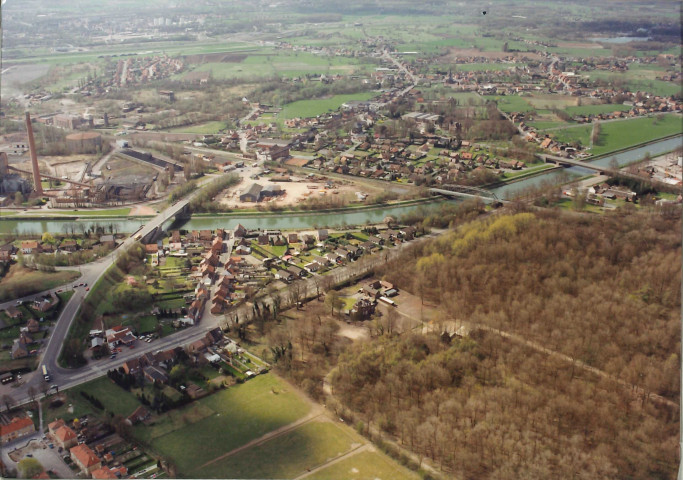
x=339, y=219
x=623, y=158
x=264, y=221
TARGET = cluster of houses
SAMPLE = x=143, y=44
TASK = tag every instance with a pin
x=98, y=463
x=27, y=344
x=32, y=247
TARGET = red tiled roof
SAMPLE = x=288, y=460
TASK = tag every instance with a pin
x=85, y=455
x=64, y=434
x=14, y=425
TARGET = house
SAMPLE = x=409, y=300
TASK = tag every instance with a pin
x=312, y=267
x=132, y=366
x=214, y=335
x=68, y=245
x=195, y=391
x=65, y=437
x=263, y=239
x=322, y=261
x=322, y=235
x=6, y=252
x=293, y=238
x=243, y=250
x=151, y=248
x=25, y=338
x=13, y=312
x=30, y=246
x=240, y=231
x=284, y=275
x=103, y=473
x=108, y=241
x=252, y=194
x=196, y=309
x=52, y=427
x=119, y=335
x=175, y=236
x=85, y=458
x=375, y=240
x=139, y=415
x=197, y=346
x=154, y=374
x=33, y=326
x=296, y=271
x=16, y=428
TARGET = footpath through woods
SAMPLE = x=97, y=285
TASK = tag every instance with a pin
x=464, y=327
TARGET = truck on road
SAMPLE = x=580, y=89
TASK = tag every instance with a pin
x=46, y=375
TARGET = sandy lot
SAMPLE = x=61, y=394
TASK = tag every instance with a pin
x=296, y=191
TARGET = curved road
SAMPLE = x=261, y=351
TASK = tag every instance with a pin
x=91, y=273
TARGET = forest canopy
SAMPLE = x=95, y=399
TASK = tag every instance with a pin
x=566, y=364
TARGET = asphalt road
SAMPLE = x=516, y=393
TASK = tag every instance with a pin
x=91, y=273
x=66, y=378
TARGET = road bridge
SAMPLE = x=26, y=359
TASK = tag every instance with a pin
x=466, y=192
x=570, y=162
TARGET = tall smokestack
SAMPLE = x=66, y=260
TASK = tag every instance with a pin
x=34, y=156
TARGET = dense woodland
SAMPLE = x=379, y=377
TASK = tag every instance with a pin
x=605, y=291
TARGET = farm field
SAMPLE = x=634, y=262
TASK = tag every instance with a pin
x=311, y=108
x=616, y=135
x=277, y=63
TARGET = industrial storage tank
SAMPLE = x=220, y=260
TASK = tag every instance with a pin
x=85, y=142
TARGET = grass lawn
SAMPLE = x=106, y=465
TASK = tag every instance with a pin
x=288, y=456
x=114, y=398
x=596, y=109
x=311, y=108
x=580, y=134
x=365, y=466
x=235, y=416
x=114, y=212
x=21, y=281
x=616, y=135
x=526, y=171
x=206, y=128
x=513, y=103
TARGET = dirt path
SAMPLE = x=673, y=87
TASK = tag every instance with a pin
x=464, y=327
x=268, y=436
x=354, y=451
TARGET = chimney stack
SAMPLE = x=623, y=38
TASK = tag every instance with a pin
x=38, y=187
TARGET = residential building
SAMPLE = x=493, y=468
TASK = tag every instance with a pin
x=17, y=427
x=65, y=437
x=85, y=458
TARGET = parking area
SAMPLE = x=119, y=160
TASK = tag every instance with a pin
x=38, y=448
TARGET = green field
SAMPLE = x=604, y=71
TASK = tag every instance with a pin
x=205, y=128
x=289, y=455
x=581, y=134
x=596, y=109
x=279, y=63
x=364, y=466
x=639, y=78
x=223, y=421
x=513, y=103
x=114, y=212
x=622, y=134
x=311, y=108
x=21, y=281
